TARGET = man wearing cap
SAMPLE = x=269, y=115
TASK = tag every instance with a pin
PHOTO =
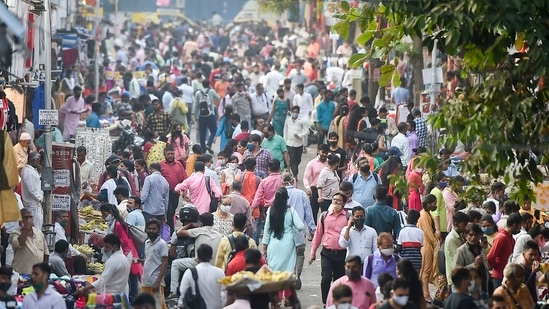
x=22, y=149
x=401, y=142
x=124, y=109
x=30, y=189
x=71, y=110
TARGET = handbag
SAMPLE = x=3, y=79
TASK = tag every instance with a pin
x=214, y=201
x=190, y=300
x=138, y=236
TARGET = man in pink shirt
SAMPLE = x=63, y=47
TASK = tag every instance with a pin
x=363, y=289
x=310, y=177
x=332, y=260
x=175, y=173
x=196, y=186
x=265, y=195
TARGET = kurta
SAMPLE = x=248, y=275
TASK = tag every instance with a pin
x=71, y=115
x=429, y=251
x=221, y=131
x=281, y=253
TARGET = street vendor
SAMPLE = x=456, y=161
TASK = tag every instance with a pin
x=114, y=279
x=79, y=259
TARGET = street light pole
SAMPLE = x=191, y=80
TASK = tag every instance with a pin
x=47, y=105
x=97, y=42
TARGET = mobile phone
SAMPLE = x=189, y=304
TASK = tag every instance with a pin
x=483, y=239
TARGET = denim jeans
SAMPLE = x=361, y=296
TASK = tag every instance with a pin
x=259, y=226
x=207, y=123
x=133, y=283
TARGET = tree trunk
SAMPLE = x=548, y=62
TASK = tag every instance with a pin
x=417, y=61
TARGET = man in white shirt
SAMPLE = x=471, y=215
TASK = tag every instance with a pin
x=261, y=104
x=346, y=187
x=401, y=142
x=305, y=102
x=114, y=278
x=255, y=76
x=61, y=221
x=272, y=80
x=30, y=189
x=44, y=295
x=187, y=92
x=295, y=129
x=86, y=169
x=207, y=283
x=358, y=238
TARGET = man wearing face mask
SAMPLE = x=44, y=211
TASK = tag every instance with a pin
x=44, y=295
x=365, y=183
x=439, y=214
x=6, y=300
x=363, y=289
x=262, y=156
x=463, y=285
x=342, y=297
x=58, y=257
x=400, y=293
x=359, y=239
x=30, y=188
x=333, y=142
x=310, y=177
x=242, y=103
x=295, y=130
x=114, y=278
x=383, y=260
x=277, y=146
x=79, y=259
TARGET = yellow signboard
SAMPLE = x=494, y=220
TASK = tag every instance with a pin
x=89, y=12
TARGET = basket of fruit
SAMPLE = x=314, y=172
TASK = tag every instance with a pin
x=264, y=281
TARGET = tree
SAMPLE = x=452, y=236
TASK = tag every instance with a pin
x=505, y=117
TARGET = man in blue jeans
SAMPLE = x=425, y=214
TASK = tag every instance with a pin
x=205, y=112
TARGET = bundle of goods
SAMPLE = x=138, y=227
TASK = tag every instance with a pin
x=264, y=281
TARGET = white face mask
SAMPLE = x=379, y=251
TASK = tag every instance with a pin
x=418, y=170
x=387, y=252
x=232, y=166
x=344, y=306
x=109, y=219
x=225, y=208
x=472, y=286
x=401, y=300
x=156, y=140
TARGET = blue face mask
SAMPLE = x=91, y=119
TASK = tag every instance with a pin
x=250, y=146
x=488, y=230
x=442, y=184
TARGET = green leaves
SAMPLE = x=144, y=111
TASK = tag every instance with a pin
x=357, y=60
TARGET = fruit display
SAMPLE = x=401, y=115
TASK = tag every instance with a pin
x=265, y=276
x=264, y=281
x=85, y=249
x=93, y=219
x=97, y=267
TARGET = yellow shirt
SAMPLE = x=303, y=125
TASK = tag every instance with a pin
x=225, y=249
x=532, y=211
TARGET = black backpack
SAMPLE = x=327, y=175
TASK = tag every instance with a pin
x=371, y=135
x=190, y=300
x=233, y=248
x=204, y=104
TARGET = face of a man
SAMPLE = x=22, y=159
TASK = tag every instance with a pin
x=77, y=93
x=169, y=156
x=156, y=106
x=38, y=276
x=530, y=256
x=81, y=156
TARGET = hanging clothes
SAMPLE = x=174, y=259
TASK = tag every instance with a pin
x=9, y=178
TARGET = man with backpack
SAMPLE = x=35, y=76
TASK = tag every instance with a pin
x=205, y=114
x=226, y=245
x=364, y=183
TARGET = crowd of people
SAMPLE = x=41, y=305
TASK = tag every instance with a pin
x=386, y=228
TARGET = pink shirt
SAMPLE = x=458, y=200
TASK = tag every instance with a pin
x=450, y=200
x=310, y=177
x=329, y=237
x=363, y=292
x=267, y=190
x=199, y=194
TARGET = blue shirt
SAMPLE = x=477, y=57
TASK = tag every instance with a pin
x=364, y=188
x=383, y=218
x=93, y=121
x=299, y=200
x=155, y=194
x=136, y=219
x=380, y=265
x=325, y=114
